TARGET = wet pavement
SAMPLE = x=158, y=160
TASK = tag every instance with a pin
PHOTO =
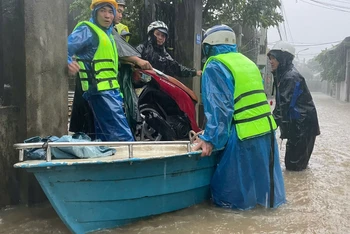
x=318, y=199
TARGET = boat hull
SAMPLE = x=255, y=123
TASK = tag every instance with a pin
x=90, y=197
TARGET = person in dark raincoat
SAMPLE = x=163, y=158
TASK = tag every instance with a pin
x=238, y=118
x=97, y=63
x=153, y=50
x=295, y=112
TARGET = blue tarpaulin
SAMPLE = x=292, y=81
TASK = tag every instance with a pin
x=71, y=152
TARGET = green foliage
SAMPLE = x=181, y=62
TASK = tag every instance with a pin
x=132, y=18
x=250, y=13
x=82, y=7
x=255, y=13
x=314, y=65
x=333, y=62
x=131, y=15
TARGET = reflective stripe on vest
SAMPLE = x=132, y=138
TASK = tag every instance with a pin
x=251, y=109
x=104, y=64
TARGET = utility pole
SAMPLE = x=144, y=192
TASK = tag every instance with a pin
x=188, y=40
x=347, y=75
x=239, y=36
x=2, y=78
x=279, y=32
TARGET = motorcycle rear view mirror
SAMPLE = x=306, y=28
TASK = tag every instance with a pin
x=145, y=78
x=139, y=78
x=160, y=73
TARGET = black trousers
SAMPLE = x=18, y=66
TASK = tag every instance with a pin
x=298, y=153
x=82, y=119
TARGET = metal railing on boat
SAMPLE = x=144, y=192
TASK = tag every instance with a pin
x=48, y=145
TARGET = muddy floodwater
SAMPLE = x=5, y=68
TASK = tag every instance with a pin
x=318, y=199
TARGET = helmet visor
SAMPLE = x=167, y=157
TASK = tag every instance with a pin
x=163, y=30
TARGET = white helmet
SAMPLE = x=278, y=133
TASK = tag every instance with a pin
x=219, y=35
x=284, y=47
x=159, y=25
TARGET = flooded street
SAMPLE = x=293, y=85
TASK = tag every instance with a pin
x=318, y=199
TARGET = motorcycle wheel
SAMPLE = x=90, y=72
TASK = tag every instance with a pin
x=154, y=126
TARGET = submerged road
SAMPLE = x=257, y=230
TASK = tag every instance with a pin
x=318, y=199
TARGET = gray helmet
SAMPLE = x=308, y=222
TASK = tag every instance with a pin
x=121, y=2
x=159, y=25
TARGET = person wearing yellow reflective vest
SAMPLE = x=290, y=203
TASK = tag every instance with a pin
x=238, y=119
x=96, y=55
x=122, y=29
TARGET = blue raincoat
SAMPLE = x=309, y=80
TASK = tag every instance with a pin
x=107, y=106
x=241, y=180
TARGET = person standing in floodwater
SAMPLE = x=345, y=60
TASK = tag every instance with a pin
x=238, y=118
x=97, y=64
x=295, y=112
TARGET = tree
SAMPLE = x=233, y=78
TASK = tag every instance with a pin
x=83, y=7
x=253, y=13
x=248, y=13
x=131, y=18
x=333, y=62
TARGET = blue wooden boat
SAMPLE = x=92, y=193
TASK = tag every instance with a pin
x=142, y=179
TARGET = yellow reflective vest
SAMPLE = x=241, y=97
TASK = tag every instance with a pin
x=104, y=64
x=252, y=114
x=122, y=27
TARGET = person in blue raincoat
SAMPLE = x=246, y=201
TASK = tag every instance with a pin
x=97, y=63
x=239, y=119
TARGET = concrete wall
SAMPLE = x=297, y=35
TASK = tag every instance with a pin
x=8, y=156
x=337, y=90
x=46, y=63
x=340, y=91
x=327, y=88
x=35, y=44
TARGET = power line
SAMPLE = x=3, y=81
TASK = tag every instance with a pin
x=319, y=44
x=279, y=32
x=346, y=2
x=323, y=43
x=324, y=6
x=330, y=4
x=284, y=14
x=309, y=44
x=309, y=54
x=290, y=32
